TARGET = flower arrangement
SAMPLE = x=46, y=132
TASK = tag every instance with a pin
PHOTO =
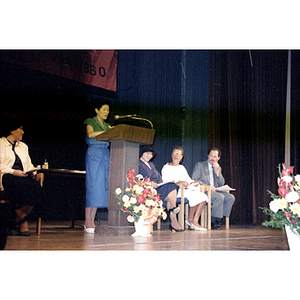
x=140, y=200
x=284, y=209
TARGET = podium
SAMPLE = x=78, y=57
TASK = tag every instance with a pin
x=124, y=155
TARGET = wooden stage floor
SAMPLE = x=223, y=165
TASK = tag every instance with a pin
x=56, y=236
x=71, y=264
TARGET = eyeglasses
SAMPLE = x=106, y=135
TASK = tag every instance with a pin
x=176, y=153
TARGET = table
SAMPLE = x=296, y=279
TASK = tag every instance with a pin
x=67, y=188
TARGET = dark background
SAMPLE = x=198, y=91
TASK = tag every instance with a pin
x=233, y=99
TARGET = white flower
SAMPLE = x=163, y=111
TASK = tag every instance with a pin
x=139, y=190
x=150, y=203
x=133, y=200
x=118, y=191
x=282, y=203
x=292, y=196
x=297, y=178
x=297, y=181
x=139, y=176
x=142, y=207
x=274, y=205
x=127, y=204
x=295, y=208
x=287, y=179
x=278, y=204
x=130, y=219
x=125, y=198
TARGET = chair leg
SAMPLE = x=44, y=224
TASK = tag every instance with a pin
x=226, y=223
x=203, y=218
x=38, y=226
x=158, y=224
x=209, y=217
x=186, y=212
x=181, y=216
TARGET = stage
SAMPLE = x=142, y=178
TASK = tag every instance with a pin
x=56, y=235
x=76, y=264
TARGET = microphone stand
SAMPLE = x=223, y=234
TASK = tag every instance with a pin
x=143, y=119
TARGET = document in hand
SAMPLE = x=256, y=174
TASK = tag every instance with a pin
x=225, y=188
x=31, y=171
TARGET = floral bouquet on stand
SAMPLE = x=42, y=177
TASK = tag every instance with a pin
x=284, y=209
x=141, y=202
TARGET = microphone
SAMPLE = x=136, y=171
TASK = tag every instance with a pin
x=117, y=117
x=135, y=117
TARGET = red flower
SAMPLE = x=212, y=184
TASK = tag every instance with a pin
x=288, y=214
x=141, y=200
x=287, y=172
x=130, y=176
x=293, y=221
x=283, y=191
x=145, y=193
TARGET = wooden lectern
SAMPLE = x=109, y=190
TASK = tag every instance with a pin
x=124, y=155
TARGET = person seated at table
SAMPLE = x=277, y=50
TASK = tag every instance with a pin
x=168, y=191
x=20, y=187
x=176, y=172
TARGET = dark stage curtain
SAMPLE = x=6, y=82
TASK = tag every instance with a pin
x=170, y=88
x=247, y=101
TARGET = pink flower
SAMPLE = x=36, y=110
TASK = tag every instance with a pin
x=287, y=214
x=130, y=218
x=288, y=171
x=283, y=191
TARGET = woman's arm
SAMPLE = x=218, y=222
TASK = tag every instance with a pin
x=91, y=133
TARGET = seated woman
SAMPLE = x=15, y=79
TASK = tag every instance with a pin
x=177, y=173
x=22, y=190
x=168, y=191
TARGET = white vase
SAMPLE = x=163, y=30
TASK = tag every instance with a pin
x=141, y=229
x=293, y=239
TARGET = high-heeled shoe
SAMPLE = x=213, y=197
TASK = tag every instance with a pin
x=88, y=230
x=25, y=233
x=174, y=229
x=15, y=230
x=197, y=228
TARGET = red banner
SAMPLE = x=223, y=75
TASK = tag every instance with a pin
x=94, y=67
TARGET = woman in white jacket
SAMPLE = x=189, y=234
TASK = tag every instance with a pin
x=21, y=189
x=175, y=172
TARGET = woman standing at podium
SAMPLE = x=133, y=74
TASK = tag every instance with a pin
x=97, y=165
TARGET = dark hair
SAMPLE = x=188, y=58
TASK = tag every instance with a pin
x=102, y=102
x=93, y=104
x=147, y=148
x=215, y=149
x=10, y=126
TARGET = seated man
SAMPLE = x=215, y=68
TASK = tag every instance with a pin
x=209, y=172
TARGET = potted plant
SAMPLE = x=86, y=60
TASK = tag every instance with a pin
x=284, y=209
x=141, y=202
